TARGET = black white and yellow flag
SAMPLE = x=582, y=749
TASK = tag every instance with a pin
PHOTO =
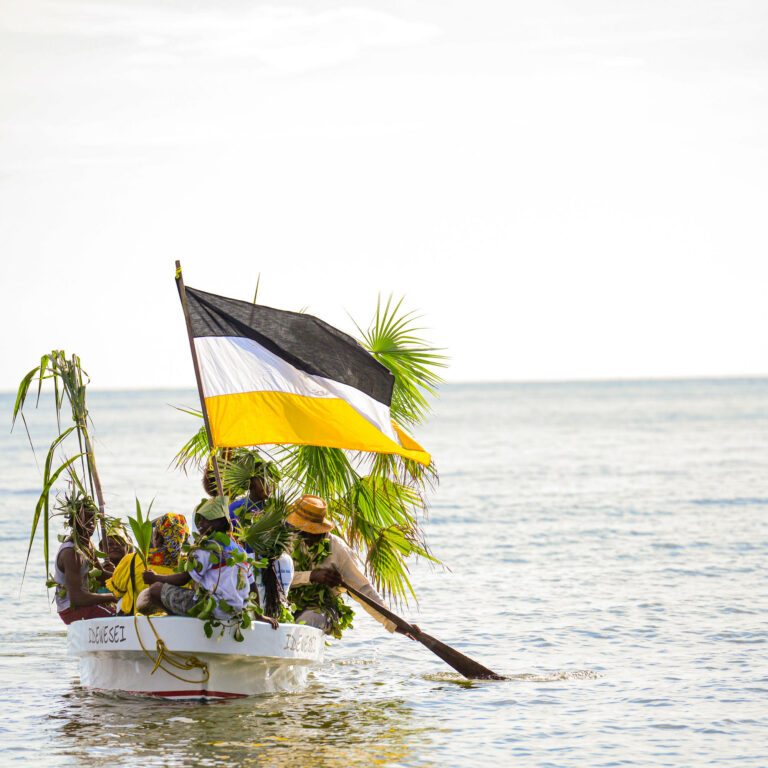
x=271, y=376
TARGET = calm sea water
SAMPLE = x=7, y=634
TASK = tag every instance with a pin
x=605, y=546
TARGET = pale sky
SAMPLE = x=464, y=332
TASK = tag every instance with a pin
x=572, y=189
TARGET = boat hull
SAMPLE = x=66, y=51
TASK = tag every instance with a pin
x=267, y=660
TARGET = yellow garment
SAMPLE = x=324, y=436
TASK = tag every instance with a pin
x=120, y=583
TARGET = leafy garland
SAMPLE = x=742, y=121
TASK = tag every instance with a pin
x=319, y=596
x=206, y=601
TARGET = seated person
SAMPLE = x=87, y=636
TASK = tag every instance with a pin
x=169, y=533
x=252, y=504
x=74, y=559
x=227, y=583
x=117, y=546
x=330, y=565
x=209, y=481
x=247, y=509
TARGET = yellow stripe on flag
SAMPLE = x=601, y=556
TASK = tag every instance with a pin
x=281, y=417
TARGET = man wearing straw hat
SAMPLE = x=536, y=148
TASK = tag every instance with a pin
x=308, y=516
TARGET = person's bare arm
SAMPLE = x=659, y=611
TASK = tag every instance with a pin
x=272, y=622
x=107, y=572
x=176, y=579
x=69, y=562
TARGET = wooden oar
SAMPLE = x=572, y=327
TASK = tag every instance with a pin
x=461, y=663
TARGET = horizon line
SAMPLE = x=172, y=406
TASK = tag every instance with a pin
x=465, y=382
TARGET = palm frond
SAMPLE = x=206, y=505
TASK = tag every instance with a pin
x=194, y=453
x=392, y=338
x=401, y=470
x=380, y=518
x=43, y=503
x=190, y=411
x=235, y=478
x=21, y=395
x=239, y=465
x=324, y=472
x=269, y=536
x=142, y=531
x=69, y=385
x=386, y=561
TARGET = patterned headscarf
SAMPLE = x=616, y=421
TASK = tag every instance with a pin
x=174, y=532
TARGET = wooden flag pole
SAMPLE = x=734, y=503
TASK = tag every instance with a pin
x=183, y=297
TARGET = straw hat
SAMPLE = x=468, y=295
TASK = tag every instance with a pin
x=308, y=514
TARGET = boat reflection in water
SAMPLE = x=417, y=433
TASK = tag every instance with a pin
x=314, y=728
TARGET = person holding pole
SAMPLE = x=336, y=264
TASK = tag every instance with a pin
x=333, y=564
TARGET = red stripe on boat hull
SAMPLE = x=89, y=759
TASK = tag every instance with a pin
x=182, y=694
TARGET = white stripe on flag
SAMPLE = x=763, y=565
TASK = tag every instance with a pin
x=232, y=365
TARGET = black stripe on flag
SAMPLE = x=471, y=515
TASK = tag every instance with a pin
x=304, y=341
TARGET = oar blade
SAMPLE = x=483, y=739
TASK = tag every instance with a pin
x=461, y=663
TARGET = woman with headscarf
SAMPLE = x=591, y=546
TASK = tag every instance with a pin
x=169, y=534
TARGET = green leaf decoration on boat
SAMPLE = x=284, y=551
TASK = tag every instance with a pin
x=142, y=532
x=69, y=388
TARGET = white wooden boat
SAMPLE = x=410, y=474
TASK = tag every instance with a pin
x=267, y=660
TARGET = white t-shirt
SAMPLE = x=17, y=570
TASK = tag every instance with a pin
x=230, y=583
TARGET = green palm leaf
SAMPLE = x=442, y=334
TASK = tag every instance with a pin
x=69, y=384
x=42, y=506
x=239, y=465
x=392, y=338
x=21, y=395
x=324, y=472
x=195, y=452
x=380, y=518
x=268, y=536
x=141, y=526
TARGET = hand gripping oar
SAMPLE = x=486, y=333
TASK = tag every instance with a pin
x=461, y=663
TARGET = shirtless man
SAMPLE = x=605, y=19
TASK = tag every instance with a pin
x=70, y=572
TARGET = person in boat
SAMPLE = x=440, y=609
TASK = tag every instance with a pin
x=74, y=559
x=230, y=584
x=209, y=482
x=251, y=505
x=116, y=547
x=169, y=534
x=273, y=582
x=323, y=558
